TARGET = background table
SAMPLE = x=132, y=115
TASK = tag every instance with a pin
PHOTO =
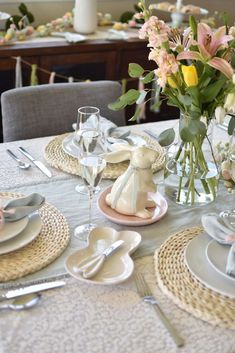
x=88, y=318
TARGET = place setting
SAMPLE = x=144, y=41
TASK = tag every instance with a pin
x=205, y=258
x=62, y=151
x=30, y=228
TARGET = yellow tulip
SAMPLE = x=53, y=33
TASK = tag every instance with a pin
x=171, y=82
x=190, y=75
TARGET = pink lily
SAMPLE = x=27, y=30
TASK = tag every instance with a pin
x=209, y=43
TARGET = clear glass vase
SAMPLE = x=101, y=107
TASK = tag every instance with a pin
x=191, y=174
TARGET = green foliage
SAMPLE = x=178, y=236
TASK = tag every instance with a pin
x=231, y=125
x=167, y=137
x=193, y=25
x=149, y=77
x=190, y=128
x=17, y=18
x=126, y=16
x=209, y=93
x=135, y=70
x=129, y=98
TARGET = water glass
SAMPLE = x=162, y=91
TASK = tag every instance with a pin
x=92, y=167
x=88, y=118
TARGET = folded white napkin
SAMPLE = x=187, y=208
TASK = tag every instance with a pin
x=107, y=128
x=224, y=234
x=15, y=209
x=114, y=34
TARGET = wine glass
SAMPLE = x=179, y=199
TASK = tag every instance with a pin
x=88, y=118
x=92, y=166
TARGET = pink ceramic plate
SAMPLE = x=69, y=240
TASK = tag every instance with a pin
x=159, y=211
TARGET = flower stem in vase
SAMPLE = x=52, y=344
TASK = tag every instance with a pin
x=190, y=179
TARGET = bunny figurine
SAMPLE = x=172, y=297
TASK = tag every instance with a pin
x=129, y=193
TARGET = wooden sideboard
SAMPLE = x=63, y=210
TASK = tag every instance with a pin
x=93, y=59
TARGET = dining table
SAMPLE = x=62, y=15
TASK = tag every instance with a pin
x=89, y=318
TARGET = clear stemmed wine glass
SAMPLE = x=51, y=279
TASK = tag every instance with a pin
x=88, y=118
x=92, y=166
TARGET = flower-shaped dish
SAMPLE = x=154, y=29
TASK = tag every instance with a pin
x=118, y=267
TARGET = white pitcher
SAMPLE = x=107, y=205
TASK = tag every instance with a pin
x=85, y=16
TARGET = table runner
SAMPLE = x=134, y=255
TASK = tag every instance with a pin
x=95, y=319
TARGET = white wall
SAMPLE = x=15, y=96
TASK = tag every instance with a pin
x=46, y=10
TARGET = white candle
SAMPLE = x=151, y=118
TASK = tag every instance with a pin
x=179, y=5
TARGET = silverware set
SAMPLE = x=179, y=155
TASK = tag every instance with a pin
x=148, y=297
x=23, y=165
x=27, y=296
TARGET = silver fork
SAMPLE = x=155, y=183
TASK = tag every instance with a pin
x=145, y=293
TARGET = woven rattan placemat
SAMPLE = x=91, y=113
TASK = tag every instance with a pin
x=177, y=282
x=48, y=245
x=56, y=157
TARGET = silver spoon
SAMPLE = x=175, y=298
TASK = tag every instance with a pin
x=21, y=164
x=23, y=302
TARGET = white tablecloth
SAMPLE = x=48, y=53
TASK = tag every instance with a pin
x=88, y=318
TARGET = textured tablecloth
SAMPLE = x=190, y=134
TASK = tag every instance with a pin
x=88, y=318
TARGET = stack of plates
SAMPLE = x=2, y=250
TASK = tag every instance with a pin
x=206, y=260
x=15, y=235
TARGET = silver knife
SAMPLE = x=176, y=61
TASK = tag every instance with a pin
x=38, y=164
x=13, y=293
x=91, y=265
x=151, y=134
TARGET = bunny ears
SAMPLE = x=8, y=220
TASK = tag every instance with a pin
x=123, y=152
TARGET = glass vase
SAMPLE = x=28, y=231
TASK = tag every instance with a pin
x=191, y=174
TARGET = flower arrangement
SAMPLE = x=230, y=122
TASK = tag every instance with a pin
x=194, y=70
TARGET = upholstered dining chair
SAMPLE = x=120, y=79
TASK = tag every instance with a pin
x=45, y=110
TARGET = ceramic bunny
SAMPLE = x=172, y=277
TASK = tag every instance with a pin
x=228, y=170
x=129, y=194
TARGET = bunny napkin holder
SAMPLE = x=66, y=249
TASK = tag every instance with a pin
x=129, y=193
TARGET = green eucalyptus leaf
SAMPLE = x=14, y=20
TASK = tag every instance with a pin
x=149, y=77
x=166, y=137
x=231, y=125
x=136, y=115
x=135, y=70
x=118, y=105
x=190, y=128
x=131, y=96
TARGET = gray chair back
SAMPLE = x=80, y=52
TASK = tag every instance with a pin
x=46, y=110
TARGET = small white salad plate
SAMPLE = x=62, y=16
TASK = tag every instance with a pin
x=30, y=232
x=217, y=255
x=158, y=212
x=11, y=229
x=118, y=267
x=199, y=266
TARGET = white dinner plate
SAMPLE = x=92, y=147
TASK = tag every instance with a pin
x=118, y=267
x=199, y=266
x=217, y=255
x=11, y=229
x=25, y=237
x=158, y=212
x=72, y=149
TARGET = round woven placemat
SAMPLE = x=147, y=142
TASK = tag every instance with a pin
x=48, y=245
x=56, y=157
x=176, y=281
